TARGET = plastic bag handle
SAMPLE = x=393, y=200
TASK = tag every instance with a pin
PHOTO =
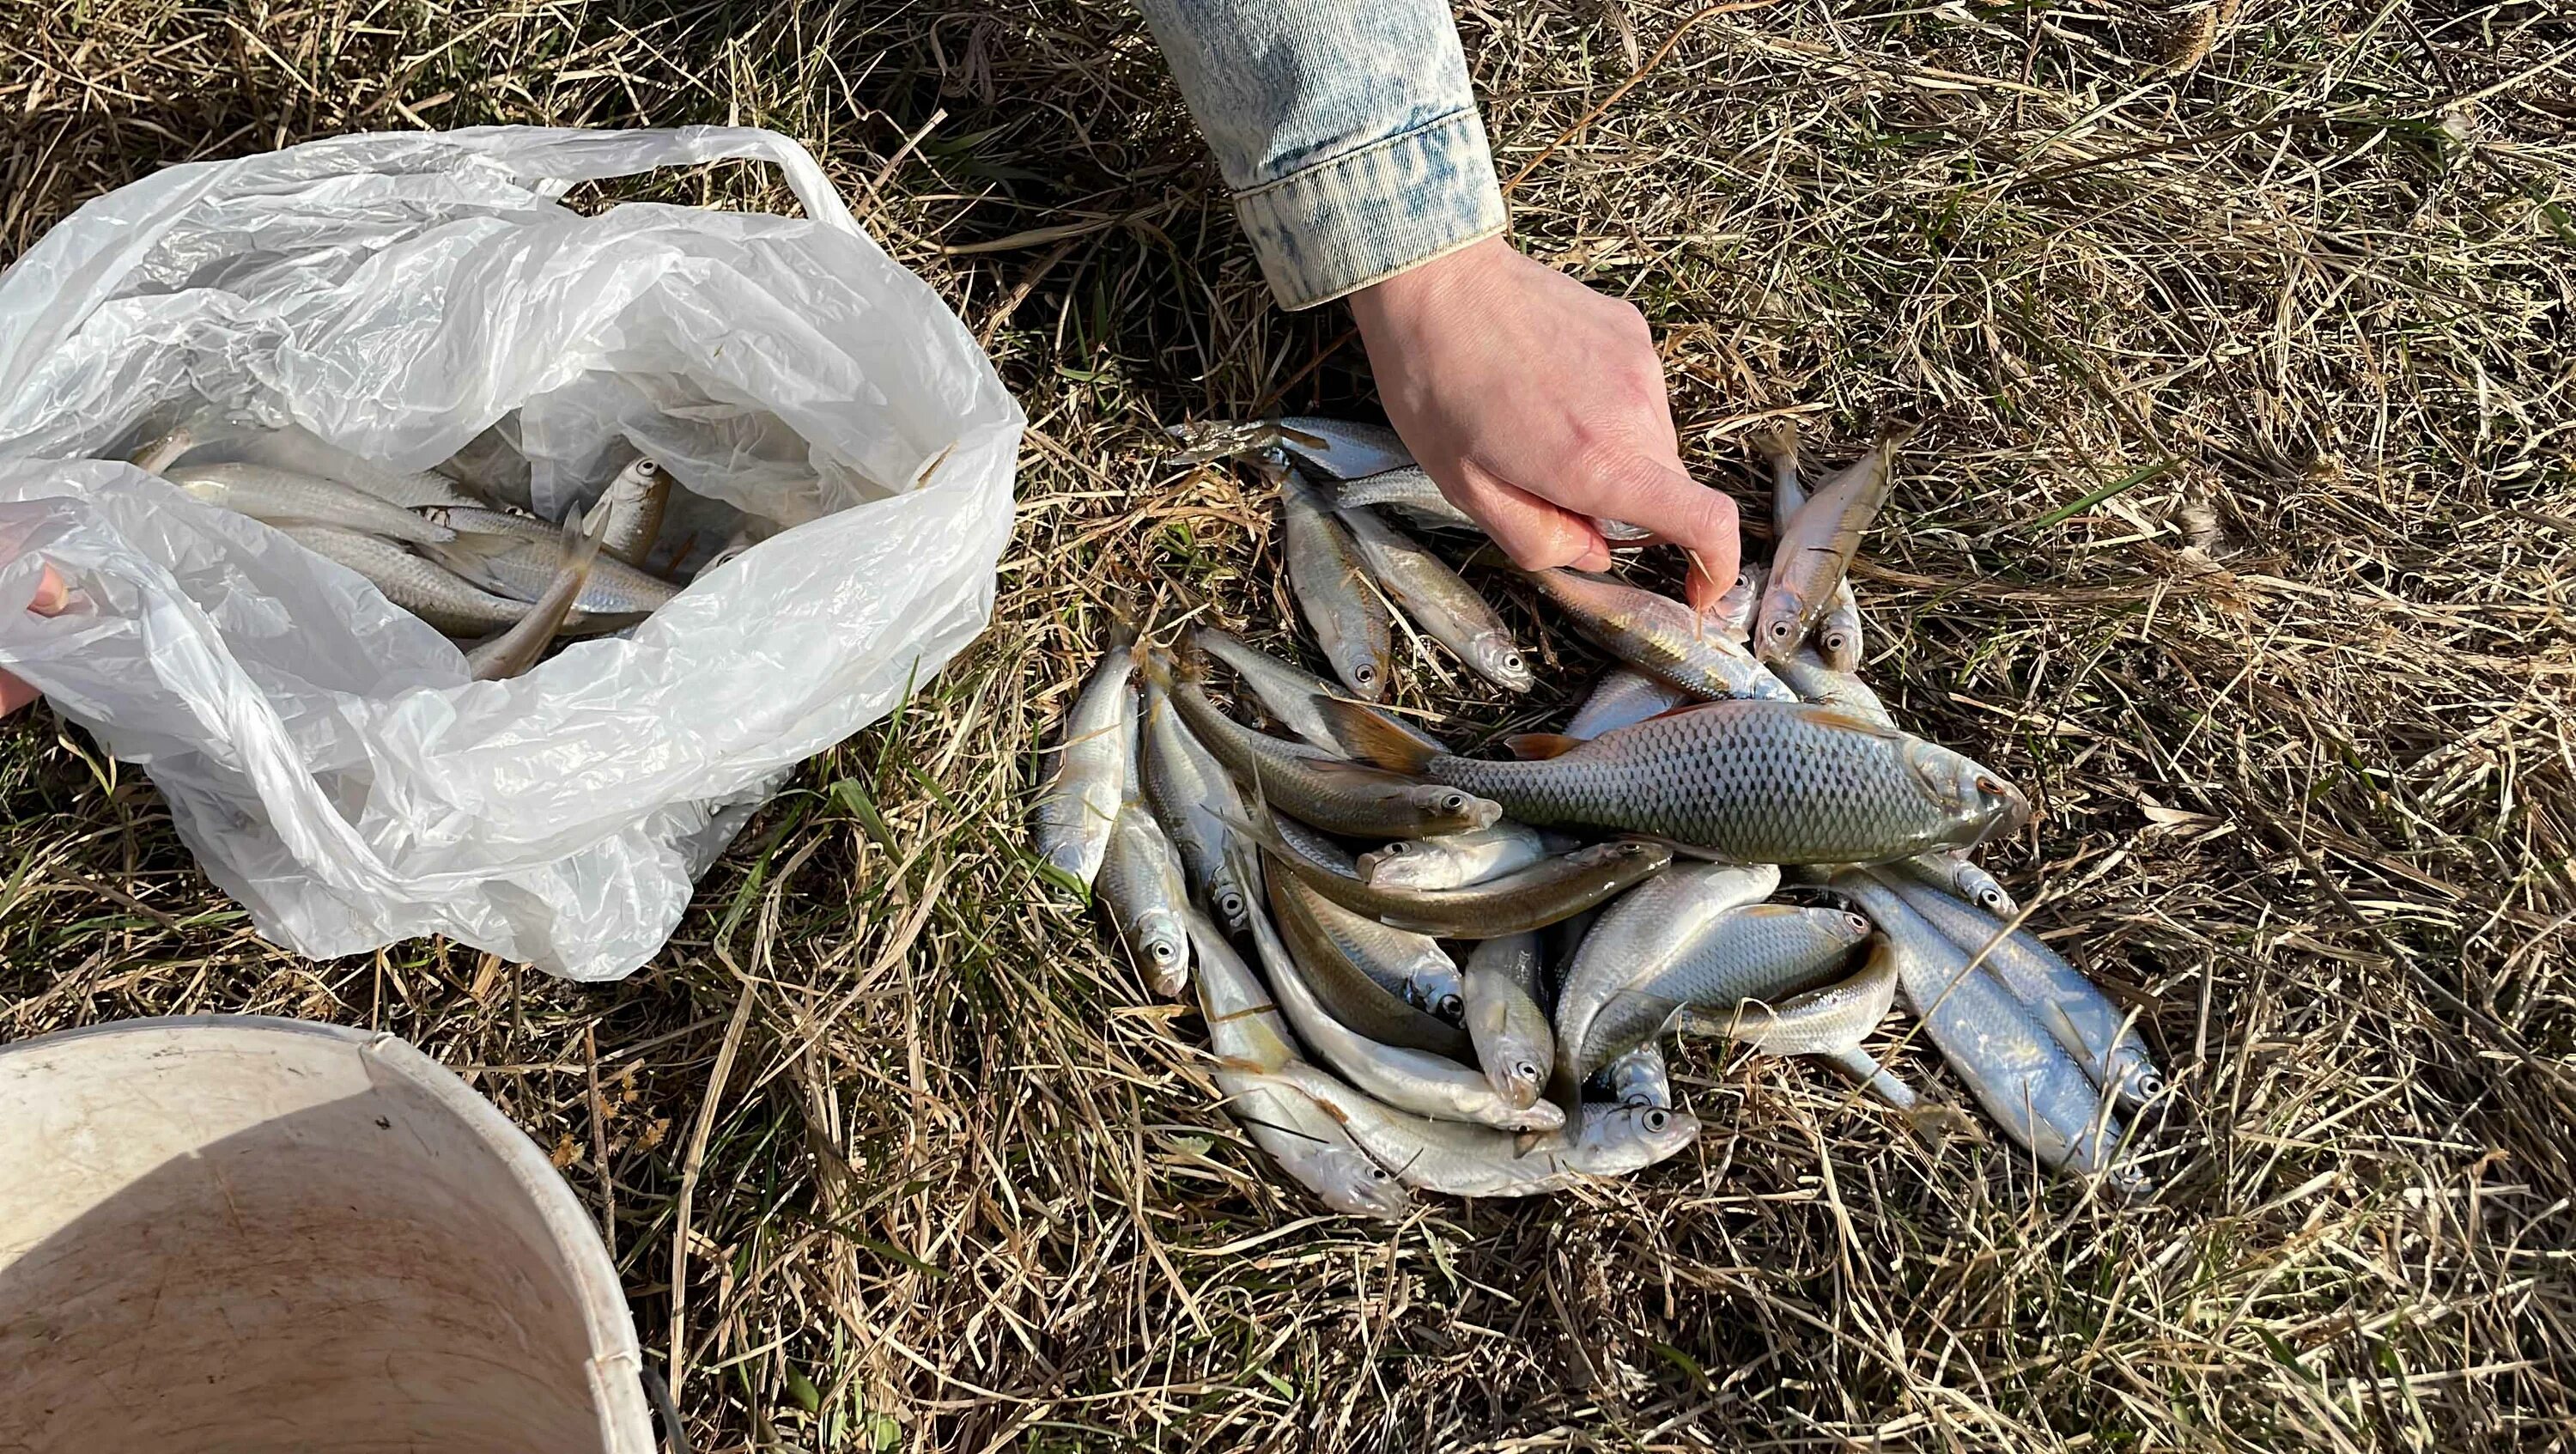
x=570, y=154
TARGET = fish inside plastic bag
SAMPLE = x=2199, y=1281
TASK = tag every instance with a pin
x=408, y=297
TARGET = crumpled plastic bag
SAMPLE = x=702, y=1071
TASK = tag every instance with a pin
x=324, y=753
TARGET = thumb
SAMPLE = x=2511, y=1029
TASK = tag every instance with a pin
x=1660, y=496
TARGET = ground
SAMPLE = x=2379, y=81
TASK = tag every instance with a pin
x=2244, y=339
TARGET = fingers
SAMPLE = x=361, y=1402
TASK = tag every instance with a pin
x=1662, y=498
x=1533, y=532
x=50, y=596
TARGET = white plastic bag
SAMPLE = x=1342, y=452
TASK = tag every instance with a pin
x=324, y=753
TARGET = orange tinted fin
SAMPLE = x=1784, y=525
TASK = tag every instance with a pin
x=1837, y=717
x=1373, y=739
x=1540, y=746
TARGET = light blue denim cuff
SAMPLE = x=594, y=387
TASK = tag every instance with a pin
x=1366, y=215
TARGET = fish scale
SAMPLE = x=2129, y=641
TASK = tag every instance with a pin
x=1755, y=782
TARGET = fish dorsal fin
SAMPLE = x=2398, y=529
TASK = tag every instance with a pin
x=1540, y=746
x=1839, y=717
x=1373, y=739
x=1678, y=709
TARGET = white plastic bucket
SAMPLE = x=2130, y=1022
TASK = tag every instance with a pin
x=241, y=1235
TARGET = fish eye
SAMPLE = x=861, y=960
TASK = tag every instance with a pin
x=1364, y=674
x=1163, y=953
x=1451, y=1007
x=1397, y=849
x=1525, y=1071
x=1511, y=661
x=1655, y=1120
x=1992, y=901
x=647, y=468
x=1453, y=802
x=1377, y=1173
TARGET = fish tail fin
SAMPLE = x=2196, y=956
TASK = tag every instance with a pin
x=1880, y=1083
x=1373, y=739
x=1123, y=627
x=1189, y=655
x=1153, y=665
x=581, y=538
x=1777, y=439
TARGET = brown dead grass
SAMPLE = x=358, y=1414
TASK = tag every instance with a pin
x=2245, y=335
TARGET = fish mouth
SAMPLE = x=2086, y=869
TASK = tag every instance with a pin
x=2017, y=810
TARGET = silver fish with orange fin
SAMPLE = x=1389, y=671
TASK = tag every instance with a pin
x=1743, y=782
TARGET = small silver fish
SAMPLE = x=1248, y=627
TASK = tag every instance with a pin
x=1956, y=874
x=515, y=650
x=1818, y=546
x=1658, y=636
x=1731, y=615
x=301, y=452
x=276, y=495
x=1480, y=1161
x=1084, y=792
x=1343, y=449
x=1439, y=600
x=2025, y=1081
x=1287, y=693
x=1838, y=636
x=1532, y=898
x=1756, y=953
x=1405, y=1079
x=1827, y=1024
x=1820, y=685
x=2067, y=1003
x=1778, y=443
x=1637, y=1077
x=1337, y=796
x=1316, y=846
x=1360, y=972
x=1822, y=1020
x=1141, y=887
x=426, y=589
x=1646, y=932
x=1453, y=860
x=1624, y=697
x=1199, y=807
x=629, y=511
x=1410, y=492
x=519, y=559
x=1350, y=621
x=1514, y=1043
x=1245, y=1028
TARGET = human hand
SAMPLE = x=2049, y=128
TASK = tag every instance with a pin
x=50, y=595
x=1537, y=405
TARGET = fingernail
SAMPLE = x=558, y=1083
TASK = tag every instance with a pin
x=50, y=593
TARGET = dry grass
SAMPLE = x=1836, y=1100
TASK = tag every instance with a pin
x=2246, y=335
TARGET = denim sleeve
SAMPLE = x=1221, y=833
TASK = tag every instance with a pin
x=1346, y=130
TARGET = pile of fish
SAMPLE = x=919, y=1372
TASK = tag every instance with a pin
x=456, y=547
x=1732, y=836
